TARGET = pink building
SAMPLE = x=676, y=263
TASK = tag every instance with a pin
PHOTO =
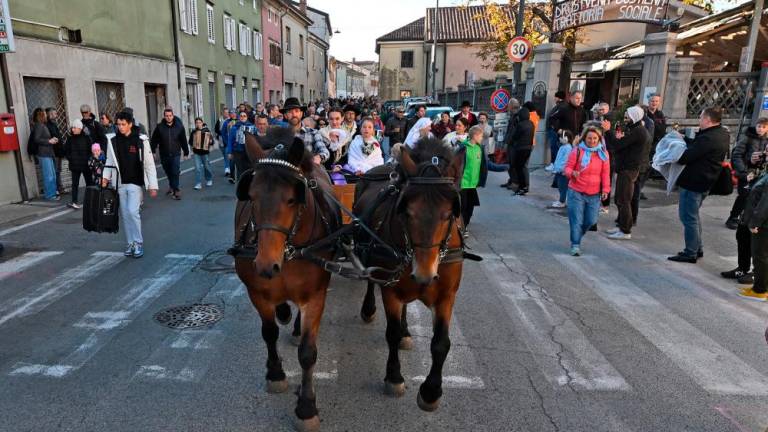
x=271, y=13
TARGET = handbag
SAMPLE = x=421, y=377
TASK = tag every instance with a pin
x=724, y=183
x=101, y=208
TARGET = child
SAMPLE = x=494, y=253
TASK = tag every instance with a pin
x=755, y=218
x=566, y=138
x=96, y=162
x=475, y=172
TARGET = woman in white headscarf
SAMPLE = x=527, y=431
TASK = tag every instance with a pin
x=365, y=150
x=420, y=129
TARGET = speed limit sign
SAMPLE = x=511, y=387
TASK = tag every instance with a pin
x=519, y=49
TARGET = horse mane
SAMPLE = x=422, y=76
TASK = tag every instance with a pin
x=427, y=148
x=422, y=154
x=277, y=135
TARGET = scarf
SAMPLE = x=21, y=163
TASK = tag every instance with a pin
x=588, y=151
x=415, y=133
x=368, y=146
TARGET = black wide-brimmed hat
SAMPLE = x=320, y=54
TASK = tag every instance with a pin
x=466, y=104
x=292, y=103
x=350, y=107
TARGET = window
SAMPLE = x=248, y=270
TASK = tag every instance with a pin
x=288, y=40
x=245, y=39
x=230, y=41
x=258, y=47
x=244, y=83
x=405, y=93
x=188, y=16
x=275, y=55
x=211, y=29
x=229, y=90
x=242, y=2
x=255, y=4
x=301, y=46
x=406, y=59
x=255, y=91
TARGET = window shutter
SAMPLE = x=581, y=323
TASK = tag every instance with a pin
x=193, y=16
x=199, y=89
x=211, y=30
x=226, y=33
x=248, y=38
x=183, y=14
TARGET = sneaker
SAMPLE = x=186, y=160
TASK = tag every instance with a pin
x=612, y=231
x=732, y=223
x=231, y=180
x=74, y=205
x=521, y=192
x=198, y=186
x=209, y=183
x=55, y=198
x=504, y=185
x=747, y=279
x=557, y=204
x=749, y=294
x=575, y=251
x=604, y=210
x=549, y=168
x=138, y=251
x=683, y=258
x=226, y=173
x=733, y=274
x=129, y=250
x=620, y=236
x=176, y=196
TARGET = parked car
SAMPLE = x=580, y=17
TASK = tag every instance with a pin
x=410, y=110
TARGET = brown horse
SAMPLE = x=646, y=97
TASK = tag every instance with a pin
x=418, y=215
x=281, y=209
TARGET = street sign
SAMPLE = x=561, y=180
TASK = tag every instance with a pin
x=7, y=43
x=568, y=14
x=519, y=49
x=500, y=100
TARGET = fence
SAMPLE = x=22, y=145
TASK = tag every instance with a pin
x=727, y=90
x=480, y=97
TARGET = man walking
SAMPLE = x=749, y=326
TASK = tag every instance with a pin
x=217, y=128
x=236, y=145
x=170, y=139
x=313, y=142
x=131, y=153
x=396, y=127
x=703, y=162
x=552, y=138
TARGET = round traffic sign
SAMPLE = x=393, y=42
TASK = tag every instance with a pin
x=519, y=49
x=500, y=100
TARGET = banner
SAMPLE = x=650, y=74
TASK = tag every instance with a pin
x=576, y=13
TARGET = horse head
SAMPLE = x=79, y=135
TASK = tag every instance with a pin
x=278, y=194
x=429, y=204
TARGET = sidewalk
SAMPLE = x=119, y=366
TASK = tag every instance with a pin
x=12, y=215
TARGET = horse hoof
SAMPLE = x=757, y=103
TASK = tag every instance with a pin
x=308, y=425
x=396, y=390
x=295, y=340
x=406, y=343
x=368, y=319
x=429, y=407
x=277, y=386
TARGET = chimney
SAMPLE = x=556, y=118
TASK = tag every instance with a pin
x=303, y=6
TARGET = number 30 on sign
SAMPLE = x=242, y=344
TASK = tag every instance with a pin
x=519, y=49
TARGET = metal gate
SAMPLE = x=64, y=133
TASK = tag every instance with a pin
x=110, y=98
x=48, y=93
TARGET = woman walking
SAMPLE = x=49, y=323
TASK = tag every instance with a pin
x=42, y=139
x=77, y=149
x=201, y=141
x=588, y=170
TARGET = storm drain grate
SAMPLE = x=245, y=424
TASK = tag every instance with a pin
x=190, y=316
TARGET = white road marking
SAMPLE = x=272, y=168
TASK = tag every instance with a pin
x=35, y=222
x=562, y=351
x=186, y=170
x=714, y=368
x=19, y=264
x=137, y=296
x=51, y=291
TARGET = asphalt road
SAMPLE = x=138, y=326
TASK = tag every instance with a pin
x=616, y=340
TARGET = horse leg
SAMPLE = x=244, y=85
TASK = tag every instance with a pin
x=368, y=311
x=394, y=384
x=276, y=382
x=283, y=311
x=296, y=335
x=306, y=410
x=431, y=389
x=406, y=341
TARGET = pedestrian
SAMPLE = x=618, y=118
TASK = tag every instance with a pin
x=169, y=140
x=535, y=118
x=756, y=219
x=275, y=118
x=262, y=125
x=397, y=127
x=335, y=138
x=458, y=136
x=201, y=141
x=58, y=150
x=570, y=116
x=519, y=147
x=313, y=142
x=552, y=136
x=588, y=171
x=703, y=160
x=41, y=137
x=513, y=108
x=236, y=146
x=131, y=153
x=421, y=129
x=420, y=113
x=566, y=145
x=106, y=122
x=321, y=123
x=226, y=128
x=77, y=149
x=136, y=123
x=221, y=140
x=96, y=162
x=465, y=112
x=754, y=140
x=630, y=153
x=377, y=123
x=365, y=150
x=475, y=172
x=444, y=126
x=350, y=123
x=91, y=126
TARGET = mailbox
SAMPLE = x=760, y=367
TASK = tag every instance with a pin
x=9, y=136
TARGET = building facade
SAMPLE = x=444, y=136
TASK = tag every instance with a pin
x=320, y=33
x=271, y=21
x=295, y=74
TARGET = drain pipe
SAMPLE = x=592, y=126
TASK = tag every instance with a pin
x=16, y=153
x=176, y=51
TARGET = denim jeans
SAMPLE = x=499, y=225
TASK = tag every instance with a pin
x=223, y=147
x=130, y=200
x=202, y=166
x=385, y=147
x=172, y=167
x=562, y=186
x=554, y=144
x=583, y=211
x=48, y=170
x=688, y=209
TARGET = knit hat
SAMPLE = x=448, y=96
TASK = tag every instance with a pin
x=95, y=146
x=77, y=124
x=635, y=113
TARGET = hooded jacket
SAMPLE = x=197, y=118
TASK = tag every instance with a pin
x=741, y=158
x=703, y=159
x=170, y=139
x=522, y=134
x=632, y=151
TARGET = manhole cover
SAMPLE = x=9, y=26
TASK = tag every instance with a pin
x=218, y=262
x=218, y=198
x=190, y=316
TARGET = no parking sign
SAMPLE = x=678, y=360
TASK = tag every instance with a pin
x=500, y=100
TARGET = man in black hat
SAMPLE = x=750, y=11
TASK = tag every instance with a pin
x=293, y=113
x=350, y=116
x=466, y=112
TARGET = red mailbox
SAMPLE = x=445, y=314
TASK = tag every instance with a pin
x=9, y=135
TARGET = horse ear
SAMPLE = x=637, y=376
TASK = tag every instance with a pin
x=296, y=152
x=253, y=148
x=407, y=162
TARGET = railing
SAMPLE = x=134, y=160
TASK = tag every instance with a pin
x=479, y=96
x=727, y=90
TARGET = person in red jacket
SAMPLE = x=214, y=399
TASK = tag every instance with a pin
x=589, y=172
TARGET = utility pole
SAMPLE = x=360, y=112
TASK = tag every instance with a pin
x=434, y=49
x=749, y=57
x=518, y=67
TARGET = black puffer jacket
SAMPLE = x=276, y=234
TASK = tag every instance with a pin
x=569, y=117
x=521, y=136
x=756, y=210
x=170, y=139
x=741, y=158
x=703, y=159
x=631, y=152
x=95, y=130
x=77, y=149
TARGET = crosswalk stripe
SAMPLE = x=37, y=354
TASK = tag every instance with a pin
x=713, y=367
x=562, y=351
x=100, y=326
x=51, y=291
x=23, y=262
